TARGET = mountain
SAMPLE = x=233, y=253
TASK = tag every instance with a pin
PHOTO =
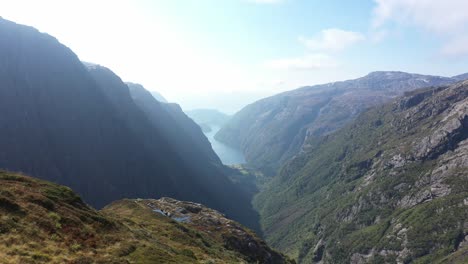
x=155, y=94
x=43, y=222
x=208, y=117
x=79, y=126
x=461, y=77
x=205, y=128
x=390, y=187
x=272, y=130
x=178, y=128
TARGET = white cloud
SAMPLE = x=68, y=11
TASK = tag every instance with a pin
x=447, y=18
x=307, y=62
x=436, y=15
x=321, y=46
x=332, y=40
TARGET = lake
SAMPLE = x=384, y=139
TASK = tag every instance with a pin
x=227, y=154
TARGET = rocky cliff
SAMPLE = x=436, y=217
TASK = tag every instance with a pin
x=391, y=187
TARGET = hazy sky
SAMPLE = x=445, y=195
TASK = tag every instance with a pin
x=227, y=53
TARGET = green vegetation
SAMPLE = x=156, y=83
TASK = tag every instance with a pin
x=368, y=193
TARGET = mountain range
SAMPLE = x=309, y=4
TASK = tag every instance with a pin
x=272, y=130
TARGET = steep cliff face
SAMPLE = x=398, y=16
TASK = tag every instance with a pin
x=182, y=131
x=55, y=122
x=390, y=187
x=79, y=126
x=274, y=129
x=46, y=223
x=193, y=131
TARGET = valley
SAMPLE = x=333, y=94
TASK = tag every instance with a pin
x=140, y=161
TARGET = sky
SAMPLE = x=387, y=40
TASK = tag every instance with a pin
x=225, y=54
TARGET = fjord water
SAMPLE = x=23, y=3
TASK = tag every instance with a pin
x=228, y=155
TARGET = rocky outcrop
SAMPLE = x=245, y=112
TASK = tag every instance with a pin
x=230, y=234
x=43, y=222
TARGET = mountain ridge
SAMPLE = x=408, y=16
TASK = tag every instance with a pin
x=155, y=94
x=274, y=129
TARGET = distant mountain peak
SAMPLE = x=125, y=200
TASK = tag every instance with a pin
x=399, y=74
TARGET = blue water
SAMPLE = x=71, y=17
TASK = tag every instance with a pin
x=228, y=155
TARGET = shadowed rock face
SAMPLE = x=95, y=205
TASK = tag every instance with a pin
x=176, y=126
x=272, y=130
x=392, y=186
x=79, y=126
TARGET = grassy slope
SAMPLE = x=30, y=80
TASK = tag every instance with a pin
x=41, y=222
